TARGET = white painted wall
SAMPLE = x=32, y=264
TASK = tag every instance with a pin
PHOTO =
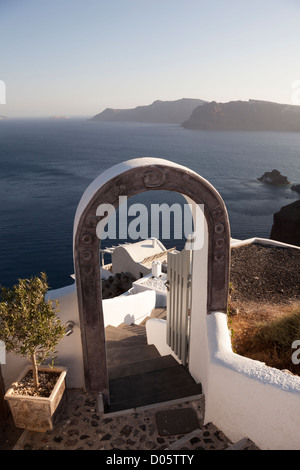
x=261, y=241
x=198, y=350
x=69, y=350
x=156, y=330
x=128, y=308
x=154, y=284
x=128, y=258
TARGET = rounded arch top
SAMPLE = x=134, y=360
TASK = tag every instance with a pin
x=143, y=174
x=154, y=179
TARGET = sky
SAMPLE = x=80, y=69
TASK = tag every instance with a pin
x=78, y=57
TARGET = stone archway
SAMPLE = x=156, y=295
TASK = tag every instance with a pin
x=128, y=179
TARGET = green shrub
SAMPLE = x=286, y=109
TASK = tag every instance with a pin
x=29, y=325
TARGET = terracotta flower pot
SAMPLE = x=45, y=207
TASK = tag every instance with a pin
x=37, y=413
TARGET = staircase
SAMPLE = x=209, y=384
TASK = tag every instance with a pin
x=138, y=375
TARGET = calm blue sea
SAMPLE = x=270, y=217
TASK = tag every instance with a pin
x=46, y=165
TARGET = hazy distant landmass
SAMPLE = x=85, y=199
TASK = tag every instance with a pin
x=252, y=115
x=159, y=111
x=59, y=117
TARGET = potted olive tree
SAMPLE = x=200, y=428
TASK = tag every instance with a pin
x=30, y=327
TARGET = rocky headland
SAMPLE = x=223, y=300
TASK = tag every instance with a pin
x=252, y=115
x=159, y=111
x=190, y=113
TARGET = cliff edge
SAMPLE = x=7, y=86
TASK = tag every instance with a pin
x=159, y=111
x=252, y=115
x=286, y=224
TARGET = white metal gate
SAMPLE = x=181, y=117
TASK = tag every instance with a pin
x=178, y=303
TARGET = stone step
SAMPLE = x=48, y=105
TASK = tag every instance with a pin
x=198, y=437
x=124, y=331
x=117, y=342
x=206, y=436
x=138, y=375
x=139, y=367
x=123, y=337
x=243, y=444
x=159, y=312
x=166, y=380
x=114, y=333
x=163, y=396
x=134, y=330
x=128, y=343
x=133, y=353
x=143, y=323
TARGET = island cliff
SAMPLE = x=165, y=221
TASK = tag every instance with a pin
x=286, y=224
x=159, y=111
x=252, y=115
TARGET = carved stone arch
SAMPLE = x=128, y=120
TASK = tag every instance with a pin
x=128, y=179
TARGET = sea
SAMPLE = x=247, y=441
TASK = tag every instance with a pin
x=47, y=164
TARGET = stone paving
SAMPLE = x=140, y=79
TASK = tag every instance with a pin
x=83, y=426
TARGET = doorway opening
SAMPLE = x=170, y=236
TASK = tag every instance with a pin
x=158, y=224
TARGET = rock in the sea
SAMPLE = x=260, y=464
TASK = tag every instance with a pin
x=274, y=177
x=296, y=187
x=286, y=224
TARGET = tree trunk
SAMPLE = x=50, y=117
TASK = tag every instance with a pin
x=35, y=371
